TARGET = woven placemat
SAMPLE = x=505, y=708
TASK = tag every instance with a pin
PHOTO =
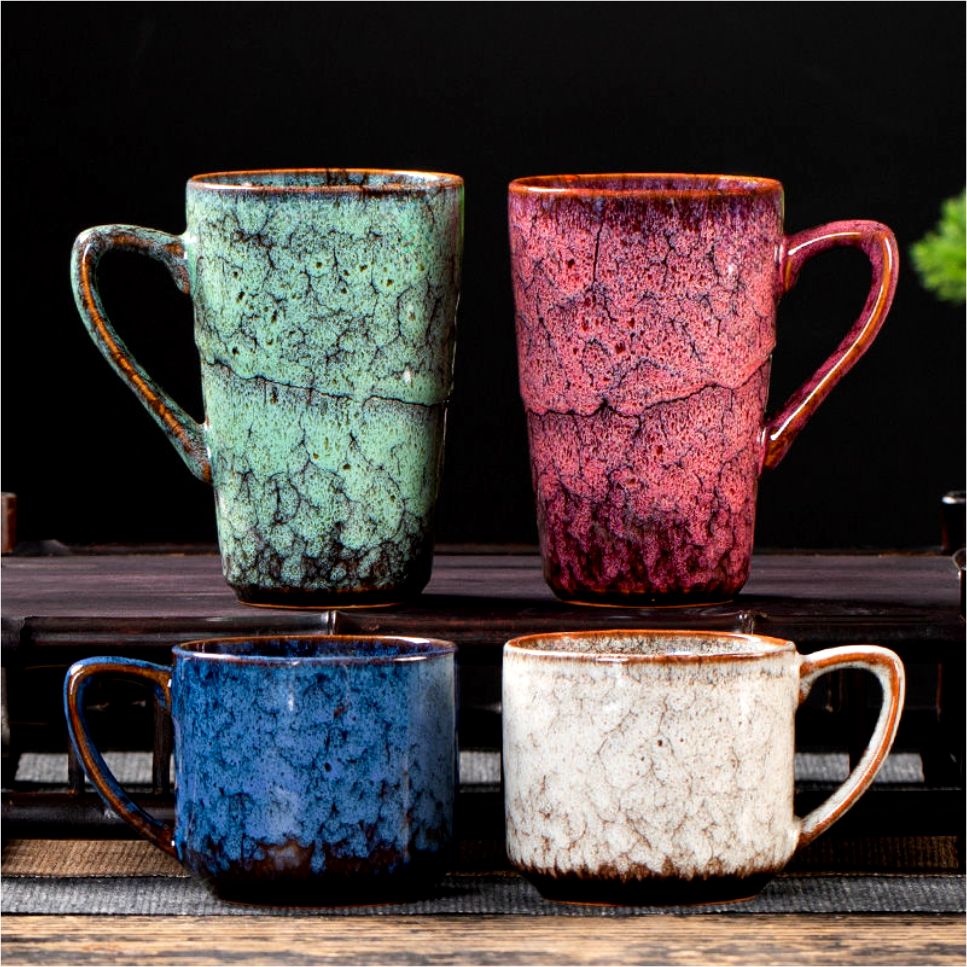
x=476, y=895
x=119, y=858
x=87, y=858
x=828, y=854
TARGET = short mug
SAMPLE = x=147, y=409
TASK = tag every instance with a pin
x=645, y=308
x=325, y=304
x=657, y=767
x=308, y=770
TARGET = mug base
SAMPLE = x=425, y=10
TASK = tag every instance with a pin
x=611, y=599
x=398, y=586
x=294, y=598
x=333, y=606
x=619, y=601
x=656, y=891
x=323, y=891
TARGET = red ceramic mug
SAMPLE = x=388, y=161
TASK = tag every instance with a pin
x=646, y=308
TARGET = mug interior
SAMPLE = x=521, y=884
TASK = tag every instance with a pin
x=331, y=649
x=645, y=184
x=650, y=645
x=325, y=180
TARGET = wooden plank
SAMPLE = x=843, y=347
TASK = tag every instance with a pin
x=56, y=609
x=657, y=939
x=192, y=585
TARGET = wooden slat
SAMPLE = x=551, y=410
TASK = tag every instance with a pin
x=192, y=587
x=484, y=940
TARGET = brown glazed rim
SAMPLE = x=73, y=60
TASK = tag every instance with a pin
x=769, y=646
x=433, y=648
x=590, y=185
x=430, y=180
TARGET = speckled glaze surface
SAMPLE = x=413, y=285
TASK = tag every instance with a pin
x=649, y=767
x=645, y=309
x=308, y=770
x=325, y=305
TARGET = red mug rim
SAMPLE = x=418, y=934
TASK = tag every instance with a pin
x=650, y=185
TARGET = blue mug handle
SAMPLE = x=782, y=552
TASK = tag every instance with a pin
x=79, y=676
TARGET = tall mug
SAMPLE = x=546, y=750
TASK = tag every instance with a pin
x=646, y=308
x=325, y=305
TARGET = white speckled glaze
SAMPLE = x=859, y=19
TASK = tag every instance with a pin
x=650, y=766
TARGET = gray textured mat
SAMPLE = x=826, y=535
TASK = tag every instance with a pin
x=153, y=896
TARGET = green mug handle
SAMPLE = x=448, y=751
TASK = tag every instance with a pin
x=79, y=676
x=887, y=668
x=187, y=436
x=877, y=243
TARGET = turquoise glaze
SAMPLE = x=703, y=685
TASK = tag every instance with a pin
x=325, y=306
x=308, y=769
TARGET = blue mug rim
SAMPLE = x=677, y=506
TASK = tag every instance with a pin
x=243, y=649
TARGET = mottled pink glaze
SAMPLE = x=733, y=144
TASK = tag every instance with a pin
x=645, y=325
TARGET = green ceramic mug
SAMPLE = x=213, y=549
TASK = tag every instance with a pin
x=325, y=304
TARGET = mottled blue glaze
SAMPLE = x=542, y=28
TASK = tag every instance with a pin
x=339, y=764
x=314, y=770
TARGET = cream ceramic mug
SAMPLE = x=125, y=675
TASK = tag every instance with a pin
x=657, y=767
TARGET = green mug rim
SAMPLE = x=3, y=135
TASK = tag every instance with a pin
x=407, y=181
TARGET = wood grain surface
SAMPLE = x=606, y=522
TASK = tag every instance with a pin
x=670, y=940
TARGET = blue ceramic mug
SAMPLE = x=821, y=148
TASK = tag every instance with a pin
x=308, y=770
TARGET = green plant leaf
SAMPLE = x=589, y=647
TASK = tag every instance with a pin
x=940, y=257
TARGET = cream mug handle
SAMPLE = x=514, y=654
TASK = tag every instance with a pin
x=888, y=671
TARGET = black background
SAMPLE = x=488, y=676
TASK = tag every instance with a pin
x=108, y=108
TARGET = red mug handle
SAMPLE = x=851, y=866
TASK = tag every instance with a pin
x=877, y=242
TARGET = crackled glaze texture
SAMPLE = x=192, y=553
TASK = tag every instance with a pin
x=326, y=776
x=631, y=773
x=312, y=770
x=657, y=767
x=325, y=306
x=645, y=325
x=325, y=309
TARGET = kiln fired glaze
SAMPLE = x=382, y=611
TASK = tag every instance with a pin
x=657, y=767
x=325, y=306
x=645, y=325
x=309, y=770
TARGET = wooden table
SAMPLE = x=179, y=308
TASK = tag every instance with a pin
x=484, y=940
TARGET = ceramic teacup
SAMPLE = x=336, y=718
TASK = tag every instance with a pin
x=646, y=320
x=656, y=767
x=308, y=770
x=325, y=305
